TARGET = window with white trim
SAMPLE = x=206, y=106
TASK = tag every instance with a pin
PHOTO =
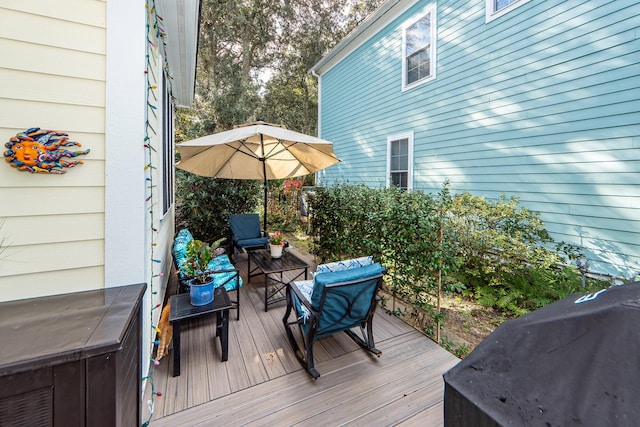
x=167, y=148
x=497, y=8
x=418, y=50
x=400, y=161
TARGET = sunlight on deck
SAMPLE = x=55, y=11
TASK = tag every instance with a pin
x=263, y=383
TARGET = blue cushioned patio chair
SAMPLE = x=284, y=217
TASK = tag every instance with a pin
x=246, y=234
x=336, y=301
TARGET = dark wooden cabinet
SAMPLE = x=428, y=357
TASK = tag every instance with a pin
x=72, y=360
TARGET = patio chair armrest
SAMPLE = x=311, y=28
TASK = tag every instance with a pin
x=212, y=272
x=303, y=300
x=232, y=270
x=233, y=275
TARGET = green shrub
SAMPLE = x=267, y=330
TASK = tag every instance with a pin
x=496, y=251
x=203, y=205
x=283, y=207
x=398, y=228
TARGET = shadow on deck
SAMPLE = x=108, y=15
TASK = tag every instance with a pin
x=263, y=383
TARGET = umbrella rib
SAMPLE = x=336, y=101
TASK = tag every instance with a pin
x=286, y=149
x=273, y=151
x=248, y=152
x=282, y=149
x=237, y=150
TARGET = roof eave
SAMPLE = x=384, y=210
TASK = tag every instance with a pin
x=385, y=14
x=181, y=19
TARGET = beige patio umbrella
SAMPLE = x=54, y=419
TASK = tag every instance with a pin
x=257, y=150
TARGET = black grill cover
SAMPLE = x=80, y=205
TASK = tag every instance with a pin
x=569, y=363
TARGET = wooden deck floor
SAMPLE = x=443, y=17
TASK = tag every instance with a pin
x=263, y=383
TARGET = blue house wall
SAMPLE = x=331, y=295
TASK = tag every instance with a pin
x=542, y=103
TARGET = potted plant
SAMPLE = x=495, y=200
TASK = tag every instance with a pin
x=199, y=254
x=276, y=244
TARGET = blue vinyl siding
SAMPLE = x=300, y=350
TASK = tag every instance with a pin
x=542, y=103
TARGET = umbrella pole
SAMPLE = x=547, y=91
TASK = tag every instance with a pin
x=264, y=218
x=264, y=184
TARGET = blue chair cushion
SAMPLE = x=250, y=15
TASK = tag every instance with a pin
x=245, y=226
x=248, y=243
x=323, y=279
x=180, y=248
x=228, y=279
x=344, y=265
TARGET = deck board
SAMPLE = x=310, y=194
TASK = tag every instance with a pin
x=263, y=383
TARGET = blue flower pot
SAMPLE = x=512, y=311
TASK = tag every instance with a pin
x=201, y=294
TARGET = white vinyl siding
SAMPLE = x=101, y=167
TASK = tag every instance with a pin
x=52, y=281
x=108, y=222
x=53, y=78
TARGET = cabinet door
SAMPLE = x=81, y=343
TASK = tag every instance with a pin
x=27, y=399
x=52, y=396
x=114, y=383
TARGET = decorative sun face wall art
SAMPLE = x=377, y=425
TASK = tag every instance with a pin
x=42, y=151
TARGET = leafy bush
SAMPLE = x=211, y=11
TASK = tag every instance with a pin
x=204, y=204
x=498, y=239
x=507, y=258
x=283, y=207
x=496, y=251
x=400, y=229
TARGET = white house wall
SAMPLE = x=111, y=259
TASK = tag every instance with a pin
x=542, y=103
x=138, y=235
x=83, y=74
x=126, y=226
x=90, y=68
x=52, y=76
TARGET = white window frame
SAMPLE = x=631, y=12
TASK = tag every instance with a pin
x=492, y=13
x=431, y=11
x=409, y=137
x=167, y=123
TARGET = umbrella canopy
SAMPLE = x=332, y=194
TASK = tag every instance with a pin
x=573, y=362
x=258, y=150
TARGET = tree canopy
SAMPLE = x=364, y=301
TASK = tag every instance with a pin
x=254, y=58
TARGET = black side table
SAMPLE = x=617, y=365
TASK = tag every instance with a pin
x=271, y=268
x=181, y=309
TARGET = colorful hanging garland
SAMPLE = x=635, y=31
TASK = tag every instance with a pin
x=154, y=31
x=40, y=151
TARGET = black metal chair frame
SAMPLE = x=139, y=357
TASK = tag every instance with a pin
x=366, y=341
